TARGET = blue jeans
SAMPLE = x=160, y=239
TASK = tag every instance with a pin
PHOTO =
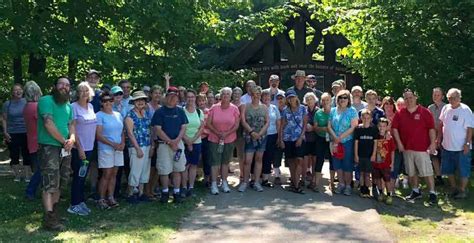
x=36, y=178
x=347, y=163
x=78, y=183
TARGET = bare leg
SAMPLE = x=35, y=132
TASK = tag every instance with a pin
x=224, y=171
x=258, y=166
x=247, y=166
x=192, y=175
x=111, y=182
x=164, y=179
x=176, y=179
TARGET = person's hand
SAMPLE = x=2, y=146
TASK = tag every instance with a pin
x=121, y=147
x=432, y=148
x=255, y=135
x=140, y=153
x=401, y=148
x=373, y=158
x=167, y=76
x=151, y=152
x=7, y=138
x=82, y=154
x=309, y=127
x=466, y=149
x=438, y=143
x=173, y=147
x=190, y=147
x=68, y=144
x=337, y=140
x=299, y=142
x=282, y=144
x=356, y=159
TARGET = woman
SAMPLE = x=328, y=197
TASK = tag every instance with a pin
x=86, y=124
x=14, y=132
x=389, y=108
x=192, y=140
x=400, y=103
x=293, y=126
x=239, y=143
x=117, y=92
x=343, y=119
x=272, y=137
x=320, y=126
x=201, y=101
x=203, y=88
x=137, y=124
x=30, y=115
x=255, y=122
x=210, y=99
x=281, y=102
x=154, y=104
x=111, y=143
x=310, y=100
x=222, y=121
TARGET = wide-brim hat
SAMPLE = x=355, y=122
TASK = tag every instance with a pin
x=298, y=73
x=138, y=95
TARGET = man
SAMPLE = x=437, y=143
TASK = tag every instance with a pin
x=93, y=78
x=169, y=122
x=247, y=98
x=273, y=84
x=312, y=82
x=126, y=88
x=299, y=87
x=414, y=132
x=455, y=132
x=336, y=86
x=56, y=137
x=357, y=101
x=435, y=110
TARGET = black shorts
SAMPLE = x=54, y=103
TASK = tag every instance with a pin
x=310, y=148
x=291, y=151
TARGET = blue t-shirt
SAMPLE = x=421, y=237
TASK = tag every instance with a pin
x=294, y=123
x=342, y=122
x=170, y=120
x=377, y=113
x=112, y=127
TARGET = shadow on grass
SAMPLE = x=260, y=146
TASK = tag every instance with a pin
x=21, y=219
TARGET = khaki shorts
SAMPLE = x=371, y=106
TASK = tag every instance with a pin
x=223, y=158
x=55, y=170
x=110, y=158
x=418, y=163
x=165, y=163
x=139, y=167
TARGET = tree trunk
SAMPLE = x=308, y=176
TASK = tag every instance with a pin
x=71, y=67
x=17, y=70
x=36, y=65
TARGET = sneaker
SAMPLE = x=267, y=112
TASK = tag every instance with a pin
x=17, y=179
x=27, y=180
x=258, y=187
x=339, y=189
x=242, y=187
x=225, y=187
x=102, y=204
x=413, y=195
x=266, y=183
x=348, y=191
x=144, y=198
x=177, y=198
x=251, y=184
x=132, y=199
x=83, y=205
x=461, y=195
x=375, y=192
x=389, y=200
x=76, y=209
x=165, y=196
x=214, y=190
x=433, y=199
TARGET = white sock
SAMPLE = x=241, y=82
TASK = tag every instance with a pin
x=416, y=189
x=176, y=190
x=165, y=190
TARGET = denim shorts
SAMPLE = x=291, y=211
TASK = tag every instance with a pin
x=452, y=161
x=347, y=163
x=252, y=146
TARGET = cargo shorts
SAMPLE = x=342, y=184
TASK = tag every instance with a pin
x=55, y=170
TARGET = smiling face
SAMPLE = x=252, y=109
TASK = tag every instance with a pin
x=437, y=96
x=139, y=104
x=343, y=100
x=410, y=99
x=106, y=102
x=84, y=93
x=310, y=101
x=126, y=87
x=366, y=119
x=190, y=99
x=17, y=91
x=93, y=79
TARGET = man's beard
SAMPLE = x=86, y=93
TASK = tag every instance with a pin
x=60, y=98
x=274, y=85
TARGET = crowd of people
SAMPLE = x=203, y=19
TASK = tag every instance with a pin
x=157, y=139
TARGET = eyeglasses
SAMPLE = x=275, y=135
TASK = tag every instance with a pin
x=342, y=98
x=107, y=100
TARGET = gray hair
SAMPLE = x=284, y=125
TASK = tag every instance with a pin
x=256, y=89
x=225, y=89
x=83, y=85
x=453, y=91
x=310, y=94
x=32, y=91
x=237, y=89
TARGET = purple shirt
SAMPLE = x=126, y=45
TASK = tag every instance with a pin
x=86, y=124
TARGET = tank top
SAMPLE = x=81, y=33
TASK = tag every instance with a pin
x=141, y=129
x=255, y=117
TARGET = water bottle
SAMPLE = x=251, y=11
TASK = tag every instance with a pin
x=83, y=169
x=220, y=147
x=327, y=137
x=177, y=155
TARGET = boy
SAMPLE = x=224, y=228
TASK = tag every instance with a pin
x=383, y=163
x=365, y=149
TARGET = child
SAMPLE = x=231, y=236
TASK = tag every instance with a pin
x=365, y=149
x=384, y=161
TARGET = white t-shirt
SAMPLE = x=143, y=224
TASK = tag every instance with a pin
x=245, y=99
x=455, y=125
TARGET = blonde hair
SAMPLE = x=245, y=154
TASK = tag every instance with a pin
x=370, y=92
x=83, y=85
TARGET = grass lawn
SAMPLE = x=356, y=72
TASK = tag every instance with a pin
x=20, y=220
x=450, y=221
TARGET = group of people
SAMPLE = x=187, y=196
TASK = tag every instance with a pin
x=156, y=138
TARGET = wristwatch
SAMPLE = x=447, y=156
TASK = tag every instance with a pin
x=468, y=144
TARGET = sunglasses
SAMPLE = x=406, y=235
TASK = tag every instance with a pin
x=118, y=94
x=342, y=98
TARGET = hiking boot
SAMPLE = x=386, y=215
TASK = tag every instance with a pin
x=339, y=189
x=258, y=187
x=76, y=209
x=177, y=198
x=214, y=189
x=461, y=195
x=348, y=191
x=413, y=195
x=165, y=196
x=225, y=187
x=242, y=187
x=380, y=198
x=51, y=223
x=433, y=199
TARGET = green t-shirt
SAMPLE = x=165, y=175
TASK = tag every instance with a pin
x=61, y=114
x=194, y=123
x=321, y=118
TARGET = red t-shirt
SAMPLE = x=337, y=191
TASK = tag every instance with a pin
x=385, y=147
x=414, y=128
x=30, y=114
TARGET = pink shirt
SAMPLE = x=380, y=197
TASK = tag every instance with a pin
x=30, y=114
x=223, y=120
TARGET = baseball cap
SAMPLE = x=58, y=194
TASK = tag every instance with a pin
x=311, y=76
x=357, y=87
x=274, y=77
x=172, y=90
x=116, y=89
x=290, y=93
x=93, y=71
